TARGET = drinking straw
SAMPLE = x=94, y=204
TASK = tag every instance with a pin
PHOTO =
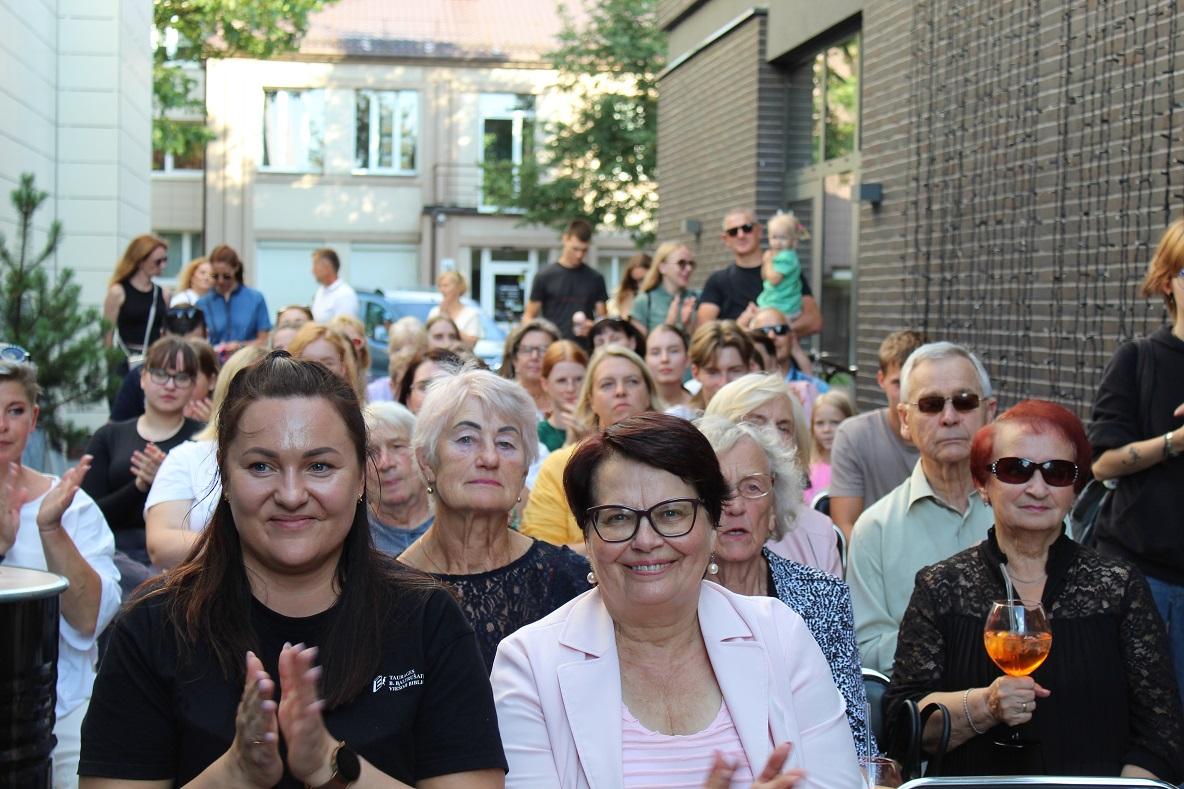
x=1015, y=610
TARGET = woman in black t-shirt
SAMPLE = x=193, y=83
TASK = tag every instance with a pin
x=201, y=681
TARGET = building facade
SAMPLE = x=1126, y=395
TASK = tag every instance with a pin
x=996, y=175
x=371, y=140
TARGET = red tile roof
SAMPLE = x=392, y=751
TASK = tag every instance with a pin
x=500, y=29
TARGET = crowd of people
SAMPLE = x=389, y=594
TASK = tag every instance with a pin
x=651, y=549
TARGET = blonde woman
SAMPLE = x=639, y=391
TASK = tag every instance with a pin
x=316, y=342
x=664, y=295
x=355, y=331
x=806, y=535
x=452, y=287
x=617, y=385
x=187, y=487
x=194, y=281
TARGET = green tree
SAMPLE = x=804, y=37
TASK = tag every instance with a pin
x=195, y=30
x=600, y=162
x=43, y=315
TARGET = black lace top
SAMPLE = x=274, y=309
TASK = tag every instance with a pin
x=500, y=601
x=1114, y=698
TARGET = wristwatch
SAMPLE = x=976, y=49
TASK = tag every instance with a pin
x=1168, y=450
x=346, y=769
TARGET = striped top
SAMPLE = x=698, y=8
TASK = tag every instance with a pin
x=653, y=759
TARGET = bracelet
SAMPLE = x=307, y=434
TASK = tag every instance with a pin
x=966, y=712
x=1168, y=451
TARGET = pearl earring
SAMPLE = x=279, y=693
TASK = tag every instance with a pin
x=712, y=567
x=591, y=578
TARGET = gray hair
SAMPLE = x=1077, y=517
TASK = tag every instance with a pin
x=787, y=474
x=941, y=350
x=747, y=393
x=389, y=414
x=502, y=397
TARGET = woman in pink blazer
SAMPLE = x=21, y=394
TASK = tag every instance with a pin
x=657, y=677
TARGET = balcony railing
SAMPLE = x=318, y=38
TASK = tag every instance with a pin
x=466, y=186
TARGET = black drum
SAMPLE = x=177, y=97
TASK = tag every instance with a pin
x=28, y=675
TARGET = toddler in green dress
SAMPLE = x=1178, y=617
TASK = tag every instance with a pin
x=781, y=269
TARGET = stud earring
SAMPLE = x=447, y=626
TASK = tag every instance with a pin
x=591, y=578
x=430, y=490
x=712, y=567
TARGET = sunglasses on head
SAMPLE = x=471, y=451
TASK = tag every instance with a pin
x=1017, y=471
x=184, y=313
x=935, y=404
x=747, y=227
x=781, y=329
x=14, y=353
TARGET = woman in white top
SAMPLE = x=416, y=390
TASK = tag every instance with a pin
x=452, y=286
x=194, y=281
x=187, y=488
x=47, y=524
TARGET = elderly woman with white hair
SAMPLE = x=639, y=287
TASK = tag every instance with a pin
x=763, y=476
x=801, y=534
x=399, y=512
x=475, y=438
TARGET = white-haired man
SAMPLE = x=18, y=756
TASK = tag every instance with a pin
x=945, y=397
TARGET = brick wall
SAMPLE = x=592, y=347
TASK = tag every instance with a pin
x=1031, y=154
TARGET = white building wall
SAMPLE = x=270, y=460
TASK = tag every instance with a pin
x=75, y=110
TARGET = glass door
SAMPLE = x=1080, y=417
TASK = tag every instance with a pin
x=506, y=277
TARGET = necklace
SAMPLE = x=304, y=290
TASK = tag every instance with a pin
x=1027, y=580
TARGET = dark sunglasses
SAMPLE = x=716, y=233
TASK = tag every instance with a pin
x=781, y=329
x=14, y=353
x=747, y=227
x=184, y=313
x=935, y=404
x=685, y=263
x=1017, y=471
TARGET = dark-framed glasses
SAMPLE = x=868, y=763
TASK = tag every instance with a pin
x=745, y=228
x=14, y=353
x=688, y=264
x=781, y=329
x=754, y=486
x=618, y=523
x=531, y=350
x=963, y=402
x=1017, y=471
x=162, y=377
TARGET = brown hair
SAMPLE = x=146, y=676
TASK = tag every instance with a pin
x=224, y=253
x=580, y=229
x=328, y=254
x=514, y=339
x=1168, y=260
x=628, y=284
x=713, y=336
x=897, y=347
x=440, y=356
x=208, y=596
x=563, y=351
x=207, y=357
x=140, y=248
x=162, y=353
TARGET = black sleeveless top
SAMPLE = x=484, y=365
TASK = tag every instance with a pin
x=133, y=316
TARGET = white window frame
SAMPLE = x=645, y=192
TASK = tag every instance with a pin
x=375, y=141
x=311, y=129
x=492, y=107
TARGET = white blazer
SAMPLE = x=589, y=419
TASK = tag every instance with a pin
x=557, y=687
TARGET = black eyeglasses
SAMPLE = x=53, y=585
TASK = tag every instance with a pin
x=618, y=523
x=14, y=353
x=747, y=227
x=934, y=404
x=781, y=329
x=1017, y=471
x=162, y=377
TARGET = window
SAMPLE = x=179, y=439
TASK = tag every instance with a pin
x=507, y=142
x=183, y=247
x=387, y=130
x=192, y=159
x=836, y=101
x=293, y=130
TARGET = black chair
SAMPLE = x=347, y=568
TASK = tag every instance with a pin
x=875, y=685
x=821, y=502
x=1035, y=782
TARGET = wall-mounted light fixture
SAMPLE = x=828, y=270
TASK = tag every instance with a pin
x=692, y=226
x=871, y=193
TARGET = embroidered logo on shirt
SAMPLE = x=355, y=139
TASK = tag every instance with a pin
x=397, y=682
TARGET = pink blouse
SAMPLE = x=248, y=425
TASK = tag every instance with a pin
x=653, y=759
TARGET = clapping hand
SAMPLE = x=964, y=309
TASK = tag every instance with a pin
x=145, y=464
x=199, y=409
x=310, y=746
x=255, y=752
x=771, y=777
x=61, y=496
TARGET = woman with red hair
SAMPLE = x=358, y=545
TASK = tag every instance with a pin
x=1104, y=702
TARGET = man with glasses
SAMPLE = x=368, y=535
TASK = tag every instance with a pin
x=869, y=456
x=945, y=398
x=792, y=361
x=731, y=292
x=568, y=287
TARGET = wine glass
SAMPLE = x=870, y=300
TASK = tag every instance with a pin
x=879, y=772
x=1018, y=639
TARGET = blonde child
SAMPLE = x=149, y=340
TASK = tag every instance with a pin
x=781, y=269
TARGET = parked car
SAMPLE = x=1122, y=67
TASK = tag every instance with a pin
x=379, y=310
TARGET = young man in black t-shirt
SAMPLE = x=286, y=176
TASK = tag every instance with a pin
x=730, y=291
x=568, y=286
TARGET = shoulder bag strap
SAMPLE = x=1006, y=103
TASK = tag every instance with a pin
x=151, y=318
